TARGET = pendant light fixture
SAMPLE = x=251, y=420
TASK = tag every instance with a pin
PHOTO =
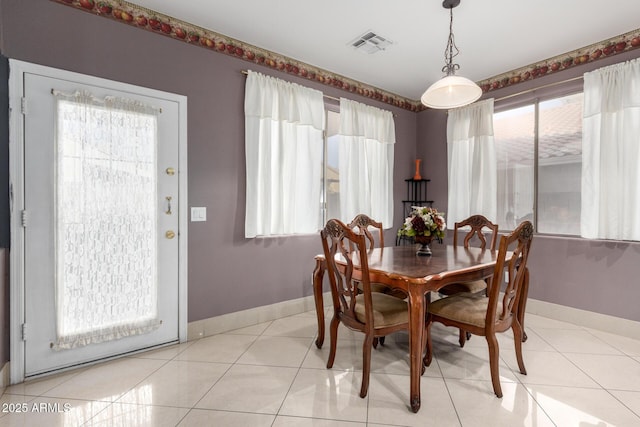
x=451, y=91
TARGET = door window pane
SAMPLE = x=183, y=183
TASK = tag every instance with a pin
x=106, y=214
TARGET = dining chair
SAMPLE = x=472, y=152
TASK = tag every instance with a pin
x=499, y=312
x=479, y=225
x=363, y=223
x=375, y=314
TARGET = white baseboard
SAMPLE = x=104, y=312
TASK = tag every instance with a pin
x=588, y=319
x=253, y=316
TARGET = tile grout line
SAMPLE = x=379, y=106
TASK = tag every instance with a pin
x=293, y=381
x=124, y=393
x=231, y=365
x=585, y=373
x=446, y=385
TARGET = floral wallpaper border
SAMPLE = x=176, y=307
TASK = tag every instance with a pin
x=150, y=20
x=594, y=52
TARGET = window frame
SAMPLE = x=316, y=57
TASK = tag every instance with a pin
x=534, y=98
x=324, y=206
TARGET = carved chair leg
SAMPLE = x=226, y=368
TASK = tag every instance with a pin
x=522, y=307
x=366, y=365
x=428, y=351
x=333, y=331
x=517, y=338
x=462, y=338
x=318, y=274
x=494, y=360
x=375, y=342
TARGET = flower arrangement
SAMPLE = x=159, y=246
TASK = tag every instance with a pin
x=424, y=221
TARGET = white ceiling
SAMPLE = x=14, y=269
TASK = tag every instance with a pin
x=494, y=36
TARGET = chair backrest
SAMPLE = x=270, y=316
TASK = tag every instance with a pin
x=477, y=224
x=339, y=240
x=510, y=270
x=362, y=222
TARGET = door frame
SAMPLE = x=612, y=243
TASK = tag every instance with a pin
x=17, y=69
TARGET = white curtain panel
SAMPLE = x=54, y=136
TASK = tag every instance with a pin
x=367, y=137
x=106, y=215
x=284, y=123
x=471, y=153
x=611, y=153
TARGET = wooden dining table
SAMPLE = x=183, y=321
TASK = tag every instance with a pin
x=399, y=267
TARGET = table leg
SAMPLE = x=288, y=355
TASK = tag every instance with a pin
x=417, y=304
x=318, y=274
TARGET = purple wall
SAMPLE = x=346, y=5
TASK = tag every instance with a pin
x=227, y=272
x=595, y=275
x=431, y=146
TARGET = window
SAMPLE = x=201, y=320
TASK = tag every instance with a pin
x=332, y=168
x=368, y=177
x=539, y=161
x=367, y=140
x=284, y=125
x=288, y=159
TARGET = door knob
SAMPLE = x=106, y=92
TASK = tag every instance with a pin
x=170, y=234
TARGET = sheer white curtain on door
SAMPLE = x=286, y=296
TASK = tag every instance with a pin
x=611, y=153
x=471, y=162
x=367, y=138
x=105, y=233
x=284, y=124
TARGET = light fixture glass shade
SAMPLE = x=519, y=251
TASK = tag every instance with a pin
x=451, y=92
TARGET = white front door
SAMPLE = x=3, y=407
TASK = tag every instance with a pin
x=101, y=222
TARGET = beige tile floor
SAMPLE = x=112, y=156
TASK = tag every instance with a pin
x=272, y=374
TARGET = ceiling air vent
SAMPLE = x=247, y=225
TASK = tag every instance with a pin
x=370, y=42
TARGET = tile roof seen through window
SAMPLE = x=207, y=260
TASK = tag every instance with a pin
x=560, y=138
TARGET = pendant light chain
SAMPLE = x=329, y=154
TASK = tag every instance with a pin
x=451, y=91
x=449, y=54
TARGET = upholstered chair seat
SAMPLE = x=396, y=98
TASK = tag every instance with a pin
x=387, y=310
x=464, y=308
x=498, y=311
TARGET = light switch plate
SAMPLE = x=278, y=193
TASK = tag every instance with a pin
x=198, y=214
